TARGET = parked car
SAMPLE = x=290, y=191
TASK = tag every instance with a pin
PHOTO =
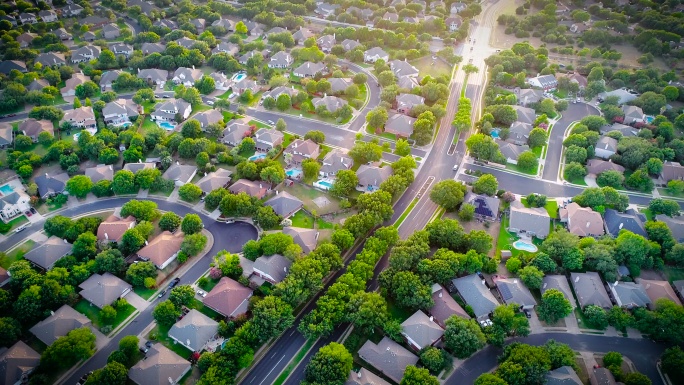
x=162, y=293
x=174, y=282
x=33, y=210
x=201, y=293
x=527, y=313
x=28, y=213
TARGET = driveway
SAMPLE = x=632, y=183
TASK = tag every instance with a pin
x=136, y=301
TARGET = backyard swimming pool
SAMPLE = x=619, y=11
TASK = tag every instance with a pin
x=166, y=125
x=239, y=76
x=126, y=124
x=649, y=118
x=293, y=173
x=256, y=157
x=324, y=184
x=6, y=189
x=494, y=133
x=76, y=136
x=525, y=246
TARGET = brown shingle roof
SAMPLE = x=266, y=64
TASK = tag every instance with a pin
x=162, y=247
x=228, y=297
x=114, y=227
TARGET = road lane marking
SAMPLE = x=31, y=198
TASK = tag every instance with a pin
x=269, y=373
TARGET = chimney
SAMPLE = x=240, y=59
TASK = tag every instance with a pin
x=170, y=380
x=52, y=312
x=193, y=66
x=308, y=64
x=440, y=294
x=388, y=348
x=358, y=375
x=484, y=282
x=46, y=175
x=285, y=269
x=106, y=236
x=110, y=167
x=177, y=163
x=64, y=240
x=621, y=224
x=260, y=185
x=588, y=223
x=432, y=319
x=648, y=285
x=577, y=279
x=146, y=243
x=317, y=235
x=138, y=70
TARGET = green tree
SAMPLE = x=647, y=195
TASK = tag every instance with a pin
x=367, y=311
x=376, y=118
x=189, y=192
x=418, y=376
x=114, y=373
x=107, y=314
x=463, y=337
x=10, y=331
x=433, y=359
x=79, y=186
x=191, y=224
x=466, y=212
x=531, y=277
x=663, y=206
x=193, y=244
x=110, y=261
x=486, y=184
x=672, y=362
x=166, y=313
x=170, y=221
x=596, y=316
x=448, y=194
x=241, y=28
x=330, y=365
x=272, y=316
x=137, y=273
x=85, y=247
x=315, y=136
x=182, y=295
x=124, y=182
x=310, y=168
x=345, y=183
x=77, y=345
x=489, y=379
x=553, y=306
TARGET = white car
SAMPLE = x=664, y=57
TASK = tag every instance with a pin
x=232, y=96
x=271, y=122
x=201, y=293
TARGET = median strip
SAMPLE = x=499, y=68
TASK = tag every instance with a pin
x=294, y=362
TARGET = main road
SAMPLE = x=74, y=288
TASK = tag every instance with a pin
x=227, y=236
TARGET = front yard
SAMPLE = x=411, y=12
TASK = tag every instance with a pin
x=434, y=68
x=16, y=254
x=13, y=224
x=93, y=313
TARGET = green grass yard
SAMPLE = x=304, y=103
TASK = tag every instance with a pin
x=515, y=167
x=161, y=334
x=578, y=181
x=551, y=207
x=506, y=239
x=93, y=313
x=16, y=254
x=258, y=124
x=426, y=67
x=144, y=292
x=303, y=220
x=14, y=223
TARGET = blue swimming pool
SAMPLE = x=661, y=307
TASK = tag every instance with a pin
x=649, y=118
x=256, y=157
x=6, y=189
x=524, y=246
x=495, y=133
x=293, y=173
x=126, y=124
x=325, y=183
x=167, y=126
x=239, y=76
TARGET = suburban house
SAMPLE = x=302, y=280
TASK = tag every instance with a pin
x=519, y=132
x=148, y=48
x=633, y=114
x=335, y=161
x=88, y=36
x=307, y=239
x=254, y=28
x=281, y=59
x=453, y=23
x=120, y=111
x=623, y=95
x=194, y=330
x=403, y=68
x=122, y=49
x=629, y=220
x=113, y=228
x=49, y=59
x=13, y=204
x=511, y=151
x=48, y=16
x=565, y=375
x=229, y=48
x=82, y=117
x=676, y=226
x=349, y=44
x=167, y=23
x=527, y=96
x=163, y=249
x=33, y=128
x=103, y=290
x=111, y=31
x=371, y=177
x=70, y=85
x=71, y=10
x=671, y=171
x=252, y=188
x=513, y=291
x=629, y=295
x=285, y=204
x=301, y=35
x=310, y=70
x=17, y=362
x=597, y=166
x=24, y=41
x=6, y=135
x=135, y=167
x=605, y=147
x=272, y=268
x=4, y=277
x=582, y=221
x=46, y=254
x=589, y=290
x=406, y=102
x=575, y=77
x=374, y=54
x=161, y=366
x=187, y=76
x=267, y=138
x=235, y=132
x=330, y=103
x=59, y=324
x=245, y=58
x=228, y=297
x=421, y=331
x=625, y=130
x=457, y=8
x=27, y=18
x=51, y=185
x=207, y=118
x=154, y=76
x=339, y=85
x=387, y=357
x=8, y=66
x=486, y=207
x=301, y=149
x=601, y=376
x=11, y=19
x=167, y=110
x=37, y=85
x=199, y=24
x=545, y=82
x=274, y=93
x=656, y=290
x=525, y=114
x=85, y=53
x=560, y=283
x=275, y=30
x=221, y=81
x=326, y=42
x=180, y=173
x=186, y=42
x=62, y=34
x=326, y=10
x=391, y=16
x=100, y=172
x=532, y=221
x=214, y=180
x=364, y=377
x=225, y=23
x=108, y=78
x=246, y=84
x=474, y=292
x=444, y=306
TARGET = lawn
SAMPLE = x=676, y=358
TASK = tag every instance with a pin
x=199, y=306
x=405, y=213
x=225, y=95
x=551, y=207
x=210, y=283
x=434, y=68
x=302, y=219
x=93, y=313
x=515, y=167
x=506, y=239
x=144, y=292
x=398, y=313
x=324, y=151
x=385, y=135
x=648, y=213
x=562, y=94
x=161, y=334
x=538, y=151
x=14, y=223
x=148, y=106
x=673, y=273
x=258, y=124
x=578, y=181
x=298, y=357
x=321, y=224
x=16, y=254
x=148, y=124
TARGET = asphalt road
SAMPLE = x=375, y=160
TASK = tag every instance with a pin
x=555, y=148
x=643, y=353
x=228, y=237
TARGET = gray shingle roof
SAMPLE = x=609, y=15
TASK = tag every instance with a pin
x=400, y=124
x=534, y=220
x=560, y=283
x=331, y=103
x=630, y=220
x=180, y=172
x=525, y=115
x=214, y=180
x=194, y=330
x=102, y=290
x=47, y=253
x=335, y=161
x=565, y=375
x=160, y=364
x=388, y=357
x=630, y=294
x=100, y=172
x=476, y=294
x=305, y=238
x=421, y=329
x=274, y=265
x=17, y=361
x=403, y=68
x=310, y=69
x=285, y=204
x=373, y=176
x=60, y=323
x=364, y=377
x=590, y=290
x=513, y=291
